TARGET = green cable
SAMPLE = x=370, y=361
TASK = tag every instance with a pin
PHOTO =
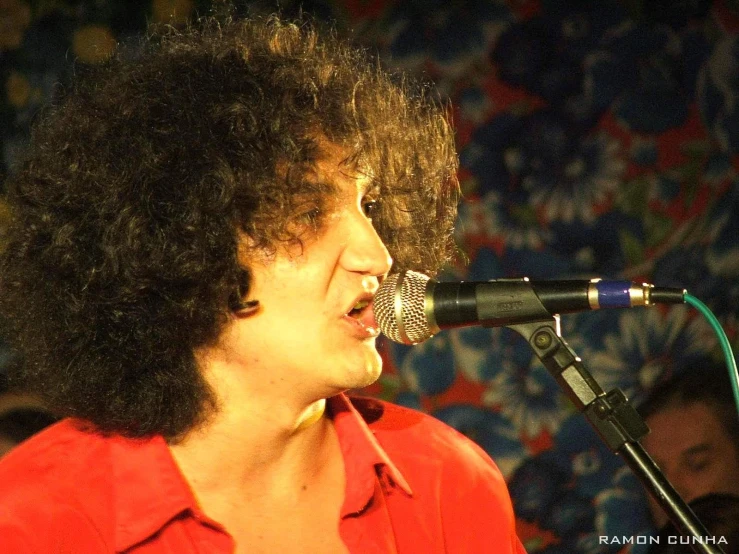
x=723, y=340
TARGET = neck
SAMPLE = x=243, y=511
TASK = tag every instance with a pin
x=253, y=441
x=260, y=437
x=311, y=415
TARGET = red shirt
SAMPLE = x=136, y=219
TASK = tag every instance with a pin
x=413, y=486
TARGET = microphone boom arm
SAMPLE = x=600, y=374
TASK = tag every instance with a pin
x=615, y=420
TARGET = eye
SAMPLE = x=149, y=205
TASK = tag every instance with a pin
x=369, y=207
x=698, y=462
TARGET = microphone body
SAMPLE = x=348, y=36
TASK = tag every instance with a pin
x=410, y=307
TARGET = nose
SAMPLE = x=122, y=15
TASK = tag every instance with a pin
x=365, y=252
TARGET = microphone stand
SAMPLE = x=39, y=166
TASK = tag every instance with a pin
x=615, y=420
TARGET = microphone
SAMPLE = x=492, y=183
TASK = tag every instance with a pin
x=410, y=307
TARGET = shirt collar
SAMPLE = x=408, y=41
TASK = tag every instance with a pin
x=150, y=490
x=364, y=459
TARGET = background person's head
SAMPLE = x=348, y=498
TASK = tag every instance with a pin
x=148, y=179
x=694, y=434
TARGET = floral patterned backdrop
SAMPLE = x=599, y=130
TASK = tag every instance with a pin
x=596, y=137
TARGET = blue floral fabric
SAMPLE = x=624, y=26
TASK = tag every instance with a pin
x=596, y=138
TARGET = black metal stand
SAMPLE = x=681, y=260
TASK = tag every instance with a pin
x=615, y=420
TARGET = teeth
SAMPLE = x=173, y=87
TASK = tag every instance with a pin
x=360, y=305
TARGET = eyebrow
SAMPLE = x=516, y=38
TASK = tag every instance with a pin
x=697, y=449
x=327, y=186
x=370, y=187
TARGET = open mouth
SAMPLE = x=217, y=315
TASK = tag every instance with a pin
x=363, y=318
x=358, y=308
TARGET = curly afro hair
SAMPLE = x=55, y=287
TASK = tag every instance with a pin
x=121, y=257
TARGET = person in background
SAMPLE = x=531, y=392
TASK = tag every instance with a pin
x=196, y=238
x=694, y=434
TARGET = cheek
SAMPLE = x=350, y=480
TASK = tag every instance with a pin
x=726, y=472
x=714, y=478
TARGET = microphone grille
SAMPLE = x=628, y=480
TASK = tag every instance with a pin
x=400, y=307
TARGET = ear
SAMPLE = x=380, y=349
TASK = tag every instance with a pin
x=245, y=308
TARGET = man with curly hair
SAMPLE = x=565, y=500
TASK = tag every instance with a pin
x=197, y=235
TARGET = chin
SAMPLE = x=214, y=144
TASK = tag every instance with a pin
x=363, y=373
x=372, y=375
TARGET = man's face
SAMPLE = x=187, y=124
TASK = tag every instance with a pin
x=694, y=451
x=314, y=333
